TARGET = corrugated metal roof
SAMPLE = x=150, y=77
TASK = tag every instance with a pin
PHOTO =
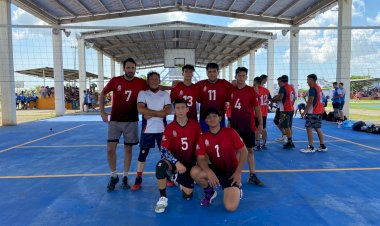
x=72, y=11
x=147, y=47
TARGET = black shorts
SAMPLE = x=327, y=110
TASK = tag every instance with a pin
x=224, y=179
x=341, y=105
x=336, y=105
x=286, y=119
x=264, y=122
x=183, y=179
x=149, y=140
x=276, y=119
x=248, y=138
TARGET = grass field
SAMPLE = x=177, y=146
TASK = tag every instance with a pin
x=365, y=110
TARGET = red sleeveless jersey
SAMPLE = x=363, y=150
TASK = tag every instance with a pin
x=317, y=107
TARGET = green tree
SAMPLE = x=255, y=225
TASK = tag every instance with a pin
x=355, y=86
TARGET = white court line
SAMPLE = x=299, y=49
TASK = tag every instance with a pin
x=32, y=141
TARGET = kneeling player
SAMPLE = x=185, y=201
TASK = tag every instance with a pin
x=221, y=147
x=178, y=154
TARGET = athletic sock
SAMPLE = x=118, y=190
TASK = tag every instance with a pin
x=114, y=174
x=139, y=174
x=163, y=192
x=125, y=174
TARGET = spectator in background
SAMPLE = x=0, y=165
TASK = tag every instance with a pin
x=22, y=99
x=342, y=99
x=43, y=91
x=48, y=90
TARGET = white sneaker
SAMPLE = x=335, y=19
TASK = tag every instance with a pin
x=308, y=149
x=282, y=139
x=161, y=205
x=322, y=149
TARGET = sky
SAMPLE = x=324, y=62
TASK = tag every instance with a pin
x=317, y=51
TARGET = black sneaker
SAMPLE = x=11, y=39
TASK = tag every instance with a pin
x=288, y=145
x=112, y=183
x=124, y=183
x=254, y=180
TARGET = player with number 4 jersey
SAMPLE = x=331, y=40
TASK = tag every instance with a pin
x=244, y=109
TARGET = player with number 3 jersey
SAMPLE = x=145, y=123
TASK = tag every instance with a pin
x=187, y=91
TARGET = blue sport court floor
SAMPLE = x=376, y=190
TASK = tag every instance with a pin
x=54, y=172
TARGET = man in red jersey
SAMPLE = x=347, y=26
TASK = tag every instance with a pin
x=124, y=118
x=178, y=154
x=244, y=110
x=314, y=111
x=187, y=90
x=286, y=98
x=221, y=147
x=262, y=97
x=213, y=93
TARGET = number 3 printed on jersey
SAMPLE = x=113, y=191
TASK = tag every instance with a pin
x=189, y=100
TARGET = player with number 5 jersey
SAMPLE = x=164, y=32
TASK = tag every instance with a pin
x=177, y=154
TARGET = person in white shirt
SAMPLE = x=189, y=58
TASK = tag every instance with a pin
x=154, y=105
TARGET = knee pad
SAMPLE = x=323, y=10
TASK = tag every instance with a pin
x=161, y=169
x=143, y=154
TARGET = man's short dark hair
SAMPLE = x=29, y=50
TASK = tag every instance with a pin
x=129, y=60
x=341, y=83
x=284, y=78
x=189, y=67
x=179, y=101
x=263, y=76
x=213, y=111
x=257, y=79
x=279, y=78
x=212, y=65
x=239, y=69
x=151, y=73
x=335, y=83
x=313, y=76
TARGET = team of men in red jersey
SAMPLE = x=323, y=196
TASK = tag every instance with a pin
x=205, y=152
